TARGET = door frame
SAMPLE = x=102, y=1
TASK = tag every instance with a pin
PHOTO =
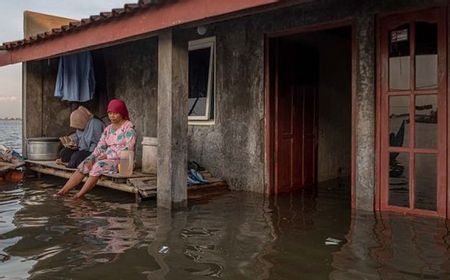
x=269, y=120
x=380, y=119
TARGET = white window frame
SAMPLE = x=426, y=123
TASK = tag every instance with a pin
x=204, y=43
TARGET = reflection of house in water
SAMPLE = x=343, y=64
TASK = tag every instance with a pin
x=393, y=247
x=254, y=236
x=78, y=235
x=235, y=236
x=209, y=242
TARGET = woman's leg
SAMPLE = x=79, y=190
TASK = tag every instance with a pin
x=74, y=180
x=99, y=168
x=88, y=185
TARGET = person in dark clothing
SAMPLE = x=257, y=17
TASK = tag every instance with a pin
x=88, y=132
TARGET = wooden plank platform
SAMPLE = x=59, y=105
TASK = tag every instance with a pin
x=53, y=164
x=140, y=184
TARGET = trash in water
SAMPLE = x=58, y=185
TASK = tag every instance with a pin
x=9, y=155
x=163, y=250
x=332, y=241
x=4, y=257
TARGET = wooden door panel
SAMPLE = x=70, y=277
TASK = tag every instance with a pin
x=309, y=141
x=284, y=165
x=295, y=147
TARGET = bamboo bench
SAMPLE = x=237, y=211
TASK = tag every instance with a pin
x=140, y=184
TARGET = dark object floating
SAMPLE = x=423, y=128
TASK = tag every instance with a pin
x=4, y=257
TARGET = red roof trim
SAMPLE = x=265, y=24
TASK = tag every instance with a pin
x=142, y=21
x=103, y=16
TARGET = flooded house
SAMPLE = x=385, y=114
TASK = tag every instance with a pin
x=271, y=96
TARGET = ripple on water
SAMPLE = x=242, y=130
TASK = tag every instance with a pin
x=234, y=236
x=13, y=137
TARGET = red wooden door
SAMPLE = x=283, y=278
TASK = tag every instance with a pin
x=295, y=122
x=413, y=90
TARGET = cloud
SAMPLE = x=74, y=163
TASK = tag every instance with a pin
x=10, y=106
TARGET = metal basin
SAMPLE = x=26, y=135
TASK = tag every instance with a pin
x=43, y=148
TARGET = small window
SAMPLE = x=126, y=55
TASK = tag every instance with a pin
x=201, y=79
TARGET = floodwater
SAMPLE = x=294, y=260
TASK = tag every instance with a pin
x=235, y=235
x=11, y=134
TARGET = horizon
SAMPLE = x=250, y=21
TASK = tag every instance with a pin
x=11, y=29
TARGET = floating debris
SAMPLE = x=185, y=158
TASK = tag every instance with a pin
x=332, y=241
x=4, y=257
x=163, y=250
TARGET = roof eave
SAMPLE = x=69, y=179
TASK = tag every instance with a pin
x=118, y=29
x=5, y=57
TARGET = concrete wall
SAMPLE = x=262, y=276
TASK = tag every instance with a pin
x=32, y=98
x=131, y=73
x=45, y=114
x=233, y=148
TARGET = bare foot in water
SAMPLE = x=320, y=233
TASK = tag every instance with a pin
x=61, y=192
x=77, y=197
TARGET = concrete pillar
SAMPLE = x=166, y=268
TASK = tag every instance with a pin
x=172, y=121
x=365, y=115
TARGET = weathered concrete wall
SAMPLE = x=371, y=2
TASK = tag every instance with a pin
x=131, y=71
x=233, y=148
x=45, y=114
x=365, y=115
x=56, y=113
x=32, y=97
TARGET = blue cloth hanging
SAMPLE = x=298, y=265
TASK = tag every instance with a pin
x=75, y=80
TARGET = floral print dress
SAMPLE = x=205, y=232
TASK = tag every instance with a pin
x=111, y=143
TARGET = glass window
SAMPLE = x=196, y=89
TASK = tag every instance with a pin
x=201, y=79
x=399, y=179
x=399, y=59
x=426, y=185
x=398, y=121
x=426, y=121
x=426, y=55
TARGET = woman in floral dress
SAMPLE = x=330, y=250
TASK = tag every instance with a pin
x=118, y=136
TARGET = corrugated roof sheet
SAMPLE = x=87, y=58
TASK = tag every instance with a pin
x=102, y=17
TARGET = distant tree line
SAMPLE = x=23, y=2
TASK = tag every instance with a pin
x=10, y=119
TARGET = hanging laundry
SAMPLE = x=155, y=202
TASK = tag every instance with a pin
x=75, y=80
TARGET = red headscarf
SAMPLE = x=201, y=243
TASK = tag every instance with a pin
x=118, y=106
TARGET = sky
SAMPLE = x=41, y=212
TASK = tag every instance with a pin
x=11, y=29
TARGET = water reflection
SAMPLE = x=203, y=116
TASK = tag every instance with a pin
x=233, y=236
x=391, y=246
